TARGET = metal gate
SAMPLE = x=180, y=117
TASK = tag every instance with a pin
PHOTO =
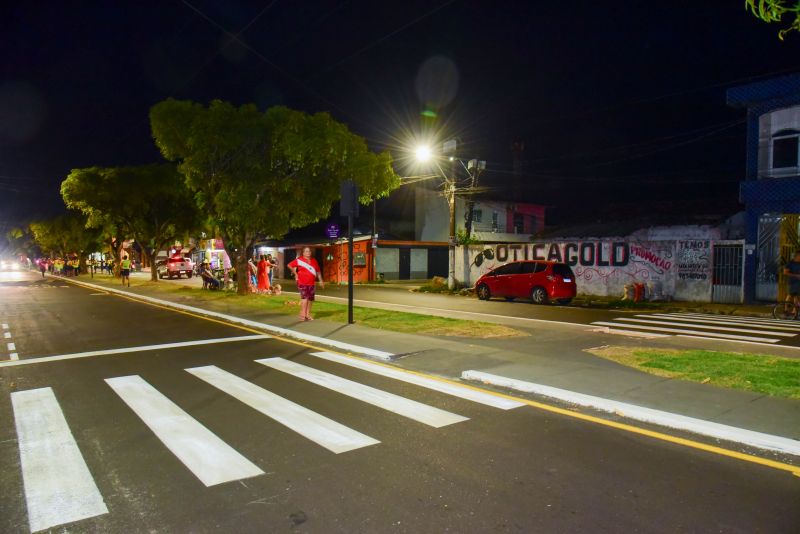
x=728, y=262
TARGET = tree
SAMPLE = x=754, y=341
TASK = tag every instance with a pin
x=21, y=242
x=774, y=11
x=148, y=203
x=66, y=234
x=259, y=174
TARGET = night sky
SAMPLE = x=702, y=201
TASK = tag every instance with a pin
x=616, y=102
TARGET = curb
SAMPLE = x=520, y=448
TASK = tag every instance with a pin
x=648, y=415
x=276, y=330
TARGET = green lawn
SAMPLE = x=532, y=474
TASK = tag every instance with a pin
x=413, y=323
x=771, y=375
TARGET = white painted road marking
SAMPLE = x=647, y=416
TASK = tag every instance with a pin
x=704, y=327
x=14, y=356
x=699, y=426
x=126, y=350
x=12, y=346
x=5, y=326
x=740, y=318
x=382, y=399
x=423, y=381
x=7, y=335
x=728, y=322
x=210, y=459
x=325, y=432
x=690, y=332
x=58, y=485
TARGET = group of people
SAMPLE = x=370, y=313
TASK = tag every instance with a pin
x=261, y=275
x=71, y=266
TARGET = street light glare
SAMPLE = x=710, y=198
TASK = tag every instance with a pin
x=423, y=153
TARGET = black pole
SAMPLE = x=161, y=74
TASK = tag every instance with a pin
x=350, y=268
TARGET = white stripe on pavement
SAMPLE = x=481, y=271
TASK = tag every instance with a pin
x=699, y=335
x=143, y=348
x=423, y=381
x=14, y=356
x=681, y=331
x=388, y=401
x=671, y=420
x=12, y=346
x=704, y=327
x=723, y=322
x=5, y=326
x=325, y=432
x=210, y=459
x=7, y=335
x=58, y=485
x=629, y=333
x=760, y=320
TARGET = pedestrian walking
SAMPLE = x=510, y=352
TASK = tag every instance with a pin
x=306, y=272
x=125, y=266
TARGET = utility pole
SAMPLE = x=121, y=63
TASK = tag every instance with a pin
x=474, y=167
x=449, y=149
x=349, y=207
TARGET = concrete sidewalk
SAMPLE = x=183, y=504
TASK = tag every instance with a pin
x=552, y=355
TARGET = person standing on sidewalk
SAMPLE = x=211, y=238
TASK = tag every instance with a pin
x=125, y=267
x=271, y=264
x=306, y=273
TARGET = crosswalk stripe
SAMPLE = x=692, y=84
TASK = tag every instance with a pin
x=682, y=331
x=388, y=401
x=759, y=320
x=325, y=432
x=423, y=381
x=704, y=327
x=210, y=459
x=723, y=322
x=58, y=485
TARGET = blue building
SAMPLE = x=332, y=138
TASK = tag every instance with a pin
x=771, y=189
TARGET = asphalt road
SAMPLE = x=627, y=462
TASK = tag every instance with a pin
x=152, y=447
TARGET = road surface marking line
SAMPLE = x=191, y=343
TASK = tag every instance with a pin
x=795, y=470
x=629, y=333
x=12, y=346
x=769, y=327
x=58, y=485
x=7, y=335
x=284, y=332
x=647, y=415
x=388, y=401
x=143, y=348
x=14, y=356
x=681, y=331
x=703, y=327
x=326, y=432
x=737, y=318
x=5, y=326
x=441, y=385
x=210, y=459
x=700, y=335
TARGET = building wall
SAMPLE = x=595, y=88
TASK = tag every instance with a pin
x=680, y=269
x=387, y=263
x=419, y=263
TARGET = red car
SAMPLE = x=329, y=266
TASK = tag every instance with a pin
x=540, y=281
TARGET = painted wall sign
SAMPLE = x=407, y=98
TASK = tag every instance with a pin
x=332, y=231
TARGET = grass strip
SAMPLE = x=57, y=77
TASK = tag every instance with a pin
x=760, y=373
x=395, y=321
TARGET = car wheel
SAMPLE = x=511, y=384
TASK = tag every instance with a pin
x=188, y=274
x=564, y=302
x=538, y=295
x=483, y=292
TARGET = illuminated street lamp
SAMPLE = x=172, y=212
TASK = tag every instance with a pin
x=423, y=153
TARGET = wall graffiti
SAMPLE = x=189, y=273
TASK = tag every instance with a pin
x=676, y=268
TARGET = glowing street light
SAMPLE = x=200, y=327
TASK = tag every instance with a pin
x=423, y=153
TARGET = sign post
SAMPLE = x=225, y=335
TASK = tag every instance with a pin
x=348, y=207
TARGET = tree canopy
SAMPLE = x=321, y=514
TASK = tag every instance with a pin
x=261, y=174
x=148, y=203
x=65, y=234
x=775, y=10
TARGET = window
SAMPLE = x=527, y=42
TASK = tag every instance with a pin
x=494, y=221
x=528, y=267
x=519, y=223
x=562, y=269
x=785, y=149
x=477, y=216
x=509, y=268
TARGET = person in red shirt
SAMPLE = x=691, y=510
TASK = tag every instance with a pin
x=306, y=272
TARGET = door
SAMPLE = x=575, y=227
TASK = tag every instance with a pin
x=728, y=262
x=405, y=263
x=505, y=278
x=437, y=262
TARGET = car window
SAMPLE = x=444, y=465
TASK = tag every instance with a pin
x=562, y=269
x=541, y=267
x=509, y=268
x=528, y=267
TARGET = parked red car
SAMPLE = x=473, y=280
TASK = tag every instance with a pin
x=540, y=281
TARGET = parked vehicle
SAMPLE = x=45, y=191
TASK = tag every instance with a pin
x=540, y=281
x=175, y=267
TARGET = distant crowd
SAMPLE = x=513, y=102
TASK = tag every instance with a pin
x=71, y=266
